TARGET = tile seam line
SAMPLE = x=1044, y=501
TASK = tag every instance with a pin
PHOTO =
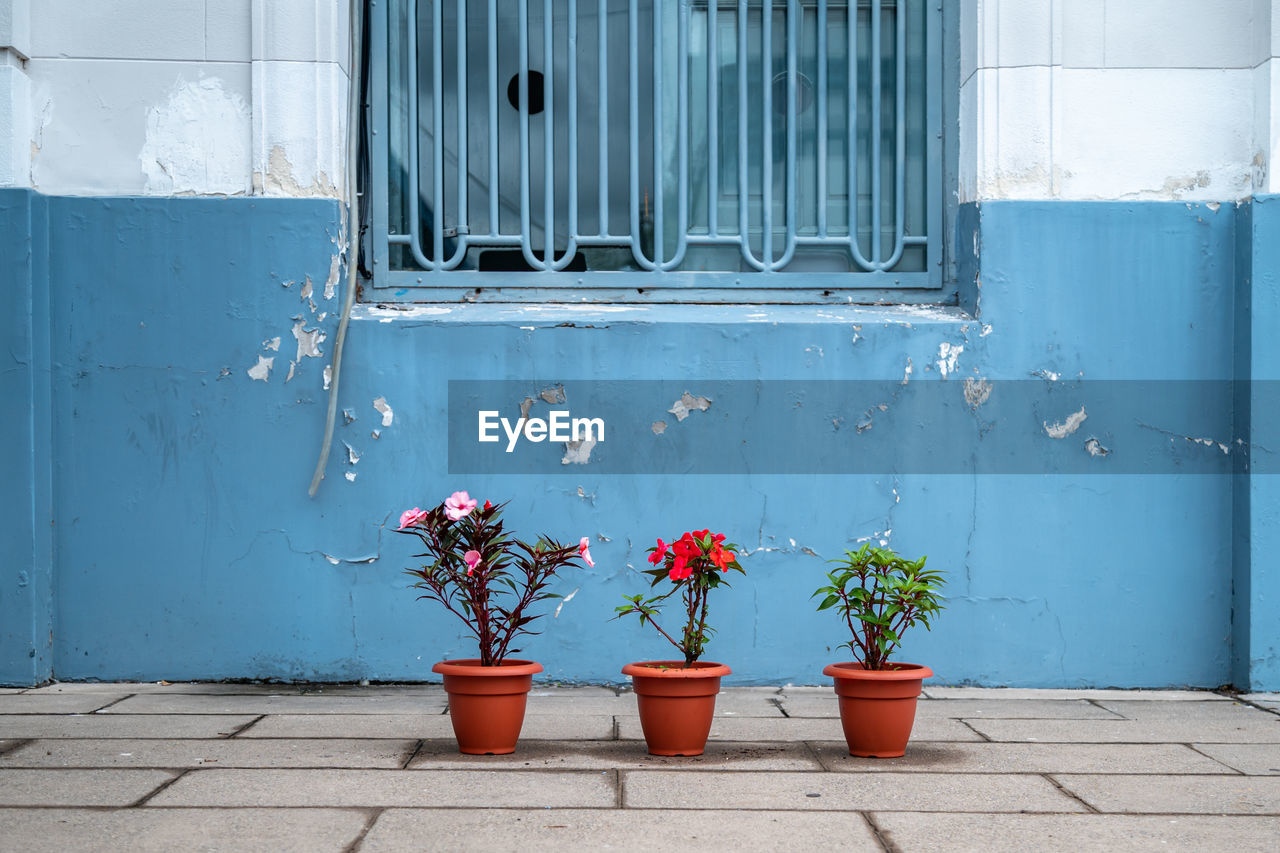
x=612, y=808
x=413, y=753
x=242, y=729
x=372, y=818
x=1228, y=773
x=1052, y=780
x=146, y=798
x=1191, y=745
x=112, y=703
x=876, y=832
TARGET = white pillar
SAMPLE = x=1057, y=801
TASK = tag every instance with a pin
x=15, y=94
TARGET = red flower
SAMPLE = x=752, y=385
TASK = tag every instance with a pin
x=488, y=506
x=679, y=569
x=687, y=547
x=658, y=553
x=721, y=557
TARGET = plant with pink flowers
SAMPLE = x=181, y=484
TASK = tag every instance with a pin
x=695, y=564
x=482, y=575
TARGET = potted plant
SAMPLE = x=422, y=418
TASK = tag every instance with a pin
x=880, y=595
x=489, y=581
x=677, y=698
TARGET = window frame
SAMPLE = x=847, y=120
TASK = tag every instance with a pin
x=935, y=285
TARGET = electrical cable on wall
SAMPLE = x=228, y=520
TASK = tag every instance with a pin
x=353, y=232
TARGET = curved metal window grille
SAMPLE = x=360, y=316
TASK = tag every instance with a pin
x=699, y=144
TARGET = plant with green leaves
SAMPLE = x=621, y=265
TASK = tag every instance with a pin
x=880, y=595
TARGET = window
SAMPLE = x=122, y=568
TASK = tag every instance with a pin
x=671, y=150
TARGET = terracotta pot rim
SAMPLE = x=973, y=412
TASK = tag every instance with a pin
x=676, y=669
x=900, y=671
x=470, y=667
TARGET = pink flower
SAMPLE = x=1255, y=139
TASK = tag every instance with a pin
x=658, y=552
x=586, y=555
x=411, y=517
x=680, y=569
x=458, y=506
x=472, y=559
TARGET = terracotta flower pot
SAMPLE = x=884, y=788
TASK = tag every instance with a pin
x=676, y=703
x=877, y=707
x=486, y=703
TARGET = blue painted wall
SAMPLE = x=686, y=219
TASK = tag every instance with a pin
x=183, y=544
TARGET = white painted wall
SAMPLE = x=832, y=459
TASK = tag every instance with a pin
x=186, y=97
x=1117, y=99
x=1071, y=99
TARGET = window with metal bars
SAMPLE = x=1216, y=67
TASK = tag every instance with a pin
x=674, y=150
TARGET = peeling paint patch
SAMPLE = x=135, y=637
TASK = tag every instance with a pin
x=578, y=452
x=948, y=355
x=525, y=405
x=976, y=391
x=348, y=416
x=262, y=370
x=1067, y=427
x=565, y=601
x=816, y=349
x=986, y=330
x=197, y=142
x=351, y=476
x=273, y=344
x=279, y=179
x=328, y=375
x=658, y=427
x=353, y=455
x=292, y=366
x=331, y=283
x=1047, y=375
x=307, y=289
x=688, y=403
x=1094, y=448
x=380, y=404
x=906, y=373
x=309, y=341
x=224, y=372
x=552, y=395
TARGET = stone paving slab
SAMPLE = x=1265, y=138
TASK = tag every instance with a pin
x=166, y=830
x=792, y=729
x=557, y=691
x=217, y=688
x=1215, y=713
x=844, y=791
x=536, y=726
x=624, y=754
x=385, y=703
x=57, y=703
x=1178, y=794
x=1253, y=759
x=4, y=691
x=1193, y=729
x=372, y=788
x=78, y=787
x=234, y=752
x=914, y=832
x=1040, y=709
x=574, y=829
x=1065, y=693
x=121, y=725
x=937, y=757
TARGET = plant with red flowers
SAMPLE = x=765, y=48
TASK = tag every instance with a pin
x=695, y=564
x=480, y=574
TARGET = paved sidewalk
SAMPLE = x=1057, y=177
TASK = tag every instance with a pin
x=334, y=768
